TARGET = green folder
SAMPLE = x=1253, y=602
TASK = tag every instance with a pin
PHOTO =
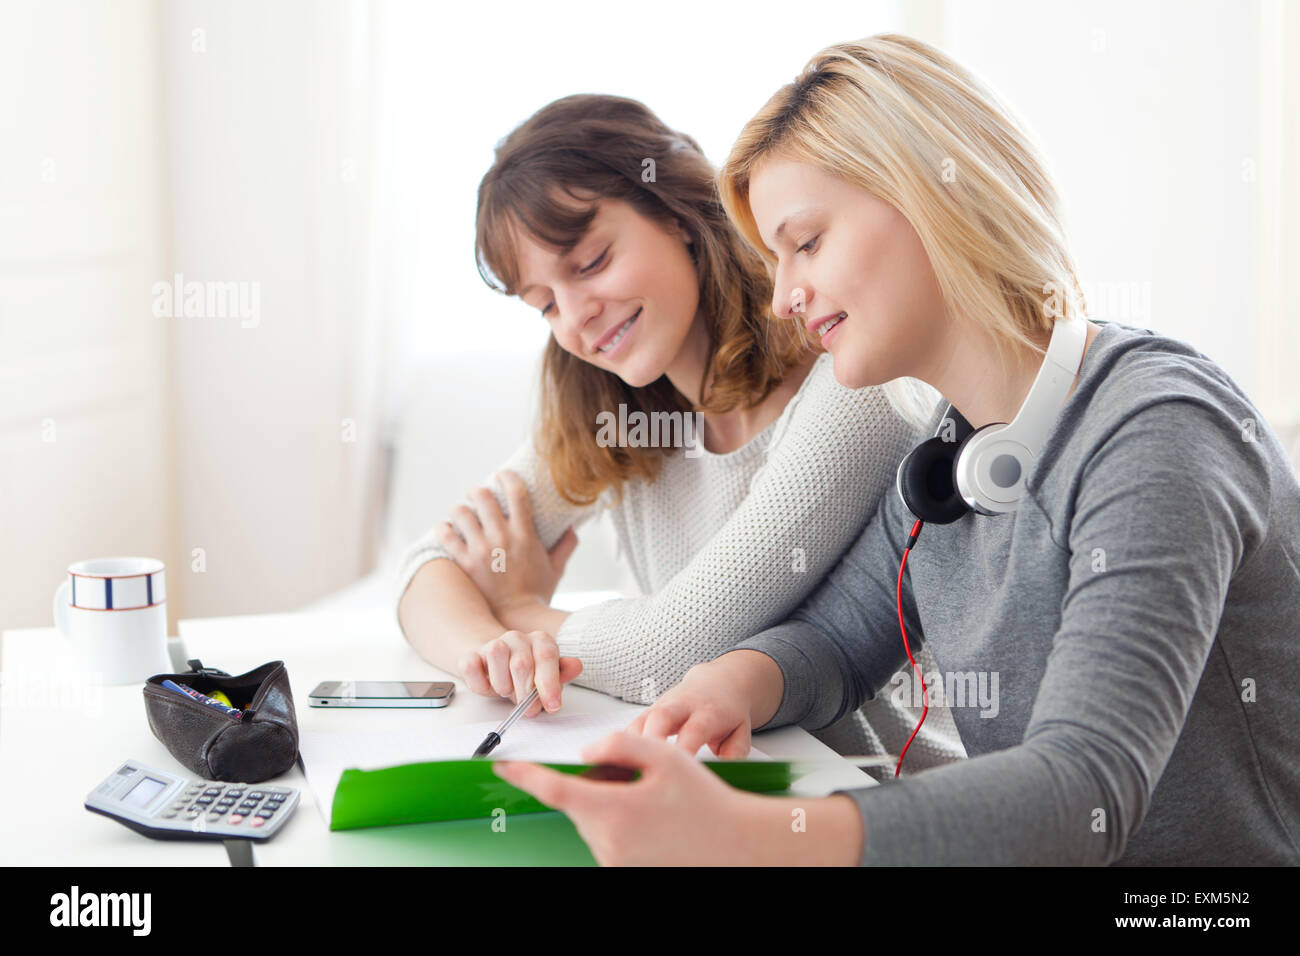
x=469, y=789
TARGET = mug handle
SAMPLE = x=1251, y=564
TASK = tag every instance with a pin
x=61, y=605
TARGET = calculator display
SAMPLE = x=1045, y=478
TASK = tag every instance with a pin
x=143, y=792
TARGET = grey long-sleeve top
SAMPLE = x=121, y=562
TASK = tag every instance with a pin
x=1126, y=646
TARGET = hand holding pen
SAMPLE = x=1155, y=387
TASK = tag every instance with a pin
x=514, y=663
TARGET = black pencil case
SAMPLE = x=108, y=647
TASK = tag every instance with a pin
x=261, y=743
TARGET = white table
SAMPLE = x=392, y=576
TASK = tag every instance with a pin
x=65, y=735
x=60, y=735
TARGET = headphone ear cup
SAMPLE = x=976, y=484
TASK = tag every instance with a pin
x=961, y=450
x=926, y=482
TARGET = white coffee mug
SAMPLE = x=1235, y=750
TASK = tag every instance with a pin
x=115, y=611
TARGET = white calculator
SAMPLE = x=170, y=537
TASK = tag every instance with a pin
x=166, y=806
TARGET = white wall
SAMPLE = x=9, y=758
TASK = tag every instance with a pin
x=268, y=135
x=84, y=448
x=1147, y=112
x=1277, y=233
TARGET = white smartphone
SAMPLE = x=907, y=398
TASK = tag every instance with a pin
x=371, y=693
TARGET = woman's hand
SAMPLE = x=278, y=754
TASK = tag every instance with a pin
x=705, y=708
x=717, y=703
x=503, y=556
x=680, y=813
x=513, y=663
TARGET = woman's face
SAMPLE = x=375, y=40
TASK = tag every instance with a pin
x=852, y=255
x=624, y=299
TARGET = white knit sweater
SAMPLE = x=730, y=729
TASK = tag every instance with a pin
x=724, y=546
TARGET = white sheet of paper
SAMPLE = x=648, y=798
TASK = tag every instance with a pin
x=546, y=739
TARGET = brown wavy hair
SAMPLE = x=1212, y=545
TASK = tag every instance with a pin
x=587, y=145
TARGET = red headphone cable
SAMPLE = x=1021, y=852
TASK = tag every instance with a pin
x=911, y=540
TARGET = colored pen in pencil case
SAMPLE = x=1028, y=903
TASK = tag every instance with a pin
x=202, y=698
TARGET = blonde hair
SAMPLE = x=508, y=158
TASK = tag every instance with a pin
x=906, y=123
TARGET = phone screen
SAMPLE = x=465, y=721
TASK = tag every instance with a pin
x=379, y=688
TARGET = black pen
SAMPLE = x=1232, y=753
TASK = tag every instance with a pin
x=491, y=740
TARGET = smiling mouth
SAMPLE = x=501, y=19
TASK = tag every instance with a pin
x=622, y=331
x=827, y=326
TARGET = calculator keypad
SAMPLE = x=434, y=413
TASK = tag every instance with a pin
x=228, y=803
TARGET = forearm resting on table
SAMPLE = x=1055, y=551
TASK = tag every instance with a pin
x=443, y=614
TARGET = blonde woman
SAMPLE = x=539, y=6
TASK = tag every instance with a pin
x=608, y=223
x=1139, y=605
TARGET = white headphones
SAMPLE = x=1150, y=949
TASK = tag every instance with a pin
x=941, y=480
